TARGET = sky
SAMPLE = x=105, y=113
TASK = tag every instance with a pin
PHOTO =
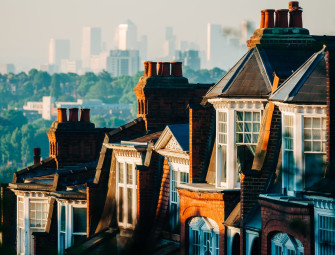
x=27, y=26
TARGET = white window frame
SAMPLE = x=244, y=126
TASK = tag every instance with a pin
x=69, y=223
x=132, y=161
x=175, y=171
x=324, y=213
x=298, y=150
x=286, y=243
x=24, y=243
x=231, y=232
x=250, y=237
x=207, y=226
x=232, y=178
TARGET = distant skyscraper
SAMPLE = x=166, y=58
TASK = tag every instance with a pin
x=143, y=47
x=215, y=46
x=127, y=36
x=123, y=62
x=170, y=43
x=58, y=50
x=7, y=68
x=91, y=44
x=248, y=28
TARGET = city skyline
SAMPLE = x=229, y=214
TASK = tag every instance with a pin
x=26, y=37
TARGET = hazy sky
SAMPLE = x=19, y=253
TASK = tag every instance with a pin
x=26, y=26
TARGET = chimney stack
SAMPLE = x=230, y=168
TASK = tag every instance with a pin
x=146, y=68
x=176, y=69
x=269, y=18
x=152, y=70
x=166, y=69
x=293, y=5
x=85, y=115
x=73, y=114
x=281, y=18
x=295, y=14
x=37, y=155
x=61, y=115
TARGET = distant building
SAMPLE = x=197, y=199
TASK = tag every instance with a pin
x=58, y=50
x=215, y=46
x=48, y=107
x=91, y=44
x=169, y=43
x=7, y=68
x=127, y=36
x=123, y=62
x=189, y=58
x=69, y=66
x=247, y=31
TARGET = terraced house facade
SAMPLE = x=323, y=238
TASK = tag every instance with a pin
x=244, y=166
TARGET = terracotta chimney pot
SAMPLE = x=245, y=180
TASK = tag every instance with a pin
x=166, y=69
x=152, y=71
x=73, y=115
x=281, y=18
x=61, y=115
x=296, y=18
x=269, y=18
x=85, y=115
x=176, y=69
x=146, y=67
x=293, y=5
x=37, y=155
x=262, y=19
x=160, y=68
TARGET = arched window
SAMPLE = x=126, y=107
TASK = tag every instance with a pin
x=284, y=244
x=236, y=244
x=203, y=236
x=255, y=247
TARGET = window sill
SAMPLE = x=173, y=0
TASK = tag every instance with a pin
x=205, y=187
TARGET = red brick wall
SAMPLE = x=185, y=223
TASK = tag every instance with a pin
x=200, y=121
x=293, y=219
x=212, y=205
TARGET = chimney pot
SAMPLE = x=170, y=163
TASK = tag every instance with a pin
x=160, y=68
x=166, y=69
x=296, y=18
x=152, y=70
x=281, y=18
x=85, y=115
x=146, y=67
x=176, y=69
x=37, y=155
x=61, y=115
x=73, y=114
x=293, y=5
x=262, y=19
x=269, y=18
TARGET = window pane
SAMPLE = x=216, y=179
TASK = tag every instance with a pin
x=314, y=168
x=239, y=138
x=130, y=205
x=247, y=127
x=239, y=116
x=62, y=218
x=245, y=156
x=121, y=204
x=79, y=219
x=121, y=172
x=129, y=173
x=307, y=122
x=307, y=146
x=256, y=127
x=308, y=133
x=247, y=116
x=223, y=163
x=184, y=177
x=256, y=116
x=316, y=122
x=239, y=127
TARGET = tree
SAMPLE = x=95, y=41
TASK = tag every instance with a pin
x=41, y=80
x=16, y=118
x=55, y=86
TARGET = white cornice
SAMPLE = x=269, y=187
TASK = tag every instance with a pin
x=176, y=157
x=31, y=194
x=302, y=109
x=243, y=103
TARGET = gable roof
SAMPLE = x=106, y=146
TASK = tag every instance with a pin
x=178, y=132
x=307, y=85
x=252, y=76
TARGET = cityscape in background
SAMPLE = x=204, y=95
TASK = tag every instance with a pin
x=224, y=46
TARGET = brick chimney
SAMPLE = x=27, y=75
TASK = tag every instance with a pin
x=295, y=14
x=163, y=99
x=74, y=141
x=37, y=155
x=281, y=18
x=269, y=18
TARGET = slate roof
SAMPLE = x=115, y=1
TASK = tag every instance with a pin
x=307, y=85
x=252, y=76
x=181, y=134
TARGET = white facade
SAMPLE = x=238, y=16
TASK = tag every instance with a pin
x=91, y=44
x=58, y=50
x=123, y=62
x=127, y=36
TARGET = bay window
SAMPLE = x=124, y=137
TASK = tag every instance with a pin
x=284, y=244
x=179, y=174
x=126, y=193
x=304, y=150
x=72, y=224
x=203, y=236
x=32, y=215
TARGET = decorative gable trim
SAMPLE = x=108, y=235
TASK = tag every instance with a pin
x=302, y=109
x=225, y=103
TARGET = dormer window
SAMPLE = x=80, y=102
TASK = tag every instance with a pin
x=238, y=125
x=304, y=149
